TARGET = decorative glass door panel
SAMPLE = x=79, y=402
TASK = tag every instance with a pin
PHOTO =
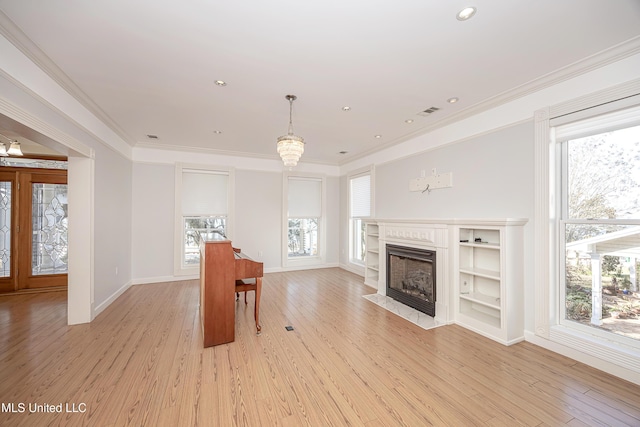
x=8, y=220
x=5, y=228
x=49, y=229
x=42, y=235
x=33, y=228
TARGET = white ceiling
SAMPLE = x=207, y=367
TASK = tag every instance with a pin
x=149, y=66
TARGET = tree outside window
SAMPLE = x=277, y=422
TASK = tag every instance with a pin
x=194, y=227
x=303, y=237
x=601, y=219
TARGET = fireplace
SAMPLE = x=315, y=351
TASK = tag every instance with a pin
x=411, y=277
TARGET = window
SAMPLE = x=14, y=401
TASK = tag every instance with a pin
x=359, y=209
x=587, y=343
x=202, y=206
x=599, y=223
x=304, y=230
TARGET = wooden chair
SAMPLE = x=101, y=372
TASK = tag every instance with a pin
x=255, y=285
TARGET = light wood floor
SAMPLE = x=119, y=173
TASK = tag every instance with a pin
x=348, y=362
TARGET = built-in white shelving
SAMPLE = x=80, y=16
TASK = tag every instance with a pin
x=372, y=255
x=488, y=280
x=480, y=269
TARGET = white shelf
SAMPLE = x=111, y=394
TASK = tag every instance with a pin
x=481, y=272
x=487, y=245
x=486, y=300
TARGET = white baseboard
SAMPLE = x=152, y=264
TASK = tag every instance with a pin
x=615, y=369
x=353, y=269
x=309, y=267
x=161, y=279
x=100, y=308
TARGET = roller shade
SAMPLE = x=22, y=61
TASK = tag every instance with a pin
x=360, y=192
x=305, y=198
x=204, y=192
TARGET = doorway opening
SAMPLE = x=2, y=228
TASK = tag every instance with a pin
x=33, y=225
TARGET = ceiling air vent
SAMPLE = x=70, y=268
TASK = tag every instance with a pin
x=428, y=111
x=152, y=136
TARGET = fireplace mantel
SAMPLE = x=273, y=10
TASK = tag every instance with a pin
x=433, y=235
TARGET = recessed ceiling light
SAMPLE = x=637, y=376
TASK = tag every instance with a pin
x=466, y=13
x=409, y=121
x=150, y=136
x=346, y=108
x=452, y=100
x=217, y=132
x=221, y=83
x=343, y=152
x=378, y=136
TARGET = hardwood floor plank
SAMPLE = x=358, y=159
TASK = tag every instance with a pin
x=347, y=362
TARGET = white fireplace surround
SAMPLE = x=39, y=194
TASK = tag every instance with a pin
x=421, y=235
x=452, y=305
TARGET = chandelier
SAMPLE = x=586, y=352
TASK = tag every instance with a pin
x=14, y=148
x=290, y=146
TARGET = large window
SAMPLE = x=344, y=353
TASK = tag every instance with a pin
x=359, y=209
x=598, y=204
x=202, y=204
x=304, y=216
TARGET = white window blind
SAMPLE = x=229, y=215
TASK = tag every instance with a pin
x=204, y=192
x=620, y=119
x=305, y=198
x=360, y=196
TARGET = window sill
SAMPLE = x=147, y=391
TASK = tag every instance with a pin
x=606, y=350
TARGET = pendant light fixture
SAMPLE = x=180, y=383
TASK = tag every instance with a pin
x=290, y=146
x=14, y=148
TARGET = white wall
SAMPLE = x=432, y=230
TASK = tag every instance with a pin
x=112, y=226
x=333, y=220
x=258, y=217
x=257, y=228
x=152, y=222
x=484, y=170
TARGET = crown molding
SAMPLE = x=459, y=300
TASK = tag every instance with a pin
x=25, y=118
x=213, y=151
x=19, y=39
x=598, y=60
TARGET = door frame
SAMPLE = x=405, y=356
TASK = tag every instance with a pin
x=81, y=182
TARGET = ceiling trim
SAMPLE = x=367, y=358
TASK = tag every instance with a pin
x=608, y=56
x=200, y=150
x=19, y=39
x=40, y=126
